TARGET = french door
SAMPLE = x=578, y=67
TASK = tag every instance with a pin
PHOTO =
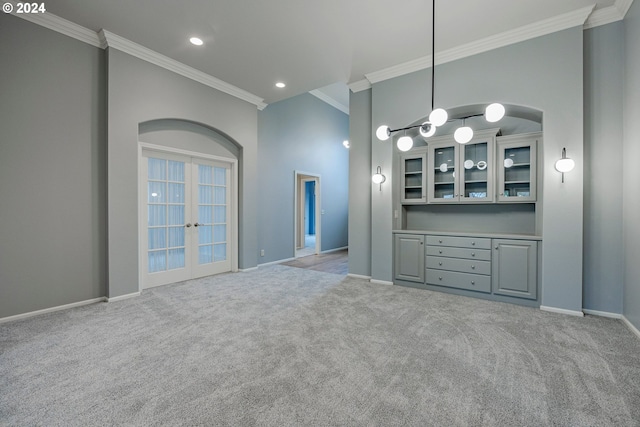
x=187, y=233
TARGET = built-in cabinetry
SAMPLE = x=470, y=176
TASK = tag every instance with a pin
x=517, y=168
x=482, y=265
x=409, y=259
x=413, y=176
x=462, y=173
x=488, y=169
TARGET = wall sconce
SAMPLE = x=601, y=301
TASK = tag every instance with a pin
x=378, y=178
x=565, y=164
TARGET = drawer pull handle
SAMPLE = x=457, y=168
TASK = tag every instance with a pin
x=473, y=282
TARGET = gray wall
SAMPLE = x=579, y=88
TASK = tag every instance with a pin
x=301, y=134
x=139, y=92
x=631, y=171
x=360, y=172
x=52, y=169
x=544, y=73
x=603, y=247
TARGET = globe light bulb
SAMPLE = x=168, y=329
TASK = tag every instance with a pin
x=438, y=117
x=565, y=165
x=378, y=178
x=383, y=133
x=494, y=112
x=463, y=134
x=405, y=143
x=430, y=132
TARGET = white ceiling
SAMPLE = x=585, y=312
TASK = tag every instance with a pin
x=308, y=44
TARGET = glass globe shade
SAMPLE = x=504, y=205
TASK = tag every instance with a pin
x=431, y=132
x=565, y=165
x=463, y=134
x=444, y=167
x=383, y=133
x=438, y=117
x=378, y=178
x=405, y=143
x=494, y=112
x=508, y=163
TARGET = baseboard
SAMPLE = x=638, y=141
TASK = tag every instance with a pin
x=121, y=297
x=562, y=311
x=602, y=313
x=280, y=261
x=358, y=276
x=631, y=326
x=51, y=309
x=244, y=270
x=328, y=251
x=381, y=282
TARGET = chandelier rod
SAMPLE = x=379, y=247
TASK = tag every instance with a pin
x=433, y=52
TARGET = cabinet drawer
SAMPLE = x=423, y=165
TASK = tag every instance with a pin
x=461, y=265
x=445, y=251
x=453, y=279
x=459, y=242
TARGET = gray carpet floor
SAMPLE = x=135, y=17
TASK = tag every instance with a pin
x=285, y=346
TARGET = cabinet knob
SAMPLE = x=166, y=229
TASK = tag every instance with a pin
x=473, y=267
x=439, y=263
x=440, y=241
x=439, y=252
x=439, y=278
x=473, y=243
x=496, y=247
x=473, y=254
x=473, y=282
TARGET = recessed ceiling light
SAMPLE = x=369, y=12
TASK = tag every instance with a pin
x=280, y=85
x=196, y=41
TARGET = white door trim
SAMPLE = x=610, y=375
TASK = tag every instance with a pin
x=233, y=244
x=307, y=176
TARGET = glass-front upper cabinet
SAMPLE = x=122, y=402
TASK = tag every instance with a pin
x=517, y=167
x=413, y=176
x=443, y=185
x=462, y=173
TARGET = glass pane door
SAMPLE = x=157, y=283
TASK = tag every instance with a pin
x=517, y=172
x=213, y=205
x=444, y=173
x=476, y=166
x=166, y=211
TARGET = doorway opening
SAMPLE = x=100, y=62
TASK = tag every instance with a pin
x=307, y=214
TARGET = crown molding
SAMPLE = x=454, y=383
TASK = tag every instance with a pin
x=360, y=85
x=104, y=39
x=127, y=46
x=62, y=26
x=609, y=14
x=329, y=100
x=527, y=32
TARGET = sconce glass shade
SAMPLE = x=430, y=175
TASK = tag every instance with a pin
x=438, y=117
x=565, y=165
x=405, y=143
x=463, y=134
x=430, y=132
x=494, y=112
x=383, y=133
x=378, y=178
x=346, y=143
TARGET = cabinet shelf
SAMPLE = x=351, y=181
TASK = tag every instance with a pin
x=476, y=181
x=443, y=183
x=413, y=173
x=516, y=182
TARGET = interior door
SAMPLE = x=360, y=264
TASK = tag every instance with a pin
x=212, y=196
x=168, y=206
x=188, y=227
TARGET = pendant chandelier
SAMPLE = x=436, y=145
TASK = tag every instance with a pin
x=438, y=116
